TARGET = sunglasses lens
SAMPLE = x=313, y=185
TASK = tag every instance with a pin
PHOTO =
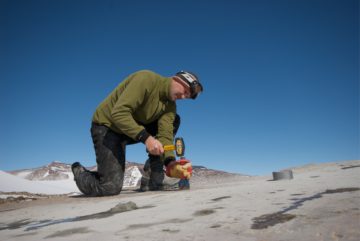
x=196, y=90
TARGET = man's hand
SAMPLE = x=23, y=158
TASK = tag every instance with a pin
x=154, y=146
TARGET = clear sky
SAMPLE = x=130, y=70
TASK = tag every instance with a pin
x=281, y=77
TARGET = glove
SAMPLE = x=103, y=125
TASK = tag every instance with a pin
x=179, y=169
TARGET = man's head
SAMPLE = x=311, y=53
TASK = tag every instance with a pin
x=186, y=85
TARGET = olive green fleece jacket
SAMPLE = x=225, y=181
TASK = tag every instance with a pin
x=140, y=99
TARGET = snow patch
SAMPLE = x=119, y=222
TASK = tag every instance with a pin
x=23, y=174
x=11, y=183
x=132, y=177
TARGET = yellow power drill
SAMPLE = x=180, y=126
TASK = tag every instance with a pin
x=181, y=168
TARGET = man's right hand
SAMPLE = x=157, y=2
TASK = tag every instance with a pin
x=154, y=146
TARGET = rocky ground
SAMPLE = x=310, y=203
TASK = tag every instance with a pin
x=322, y=202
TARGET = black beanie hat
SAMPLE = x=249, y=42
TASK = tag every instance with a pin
x=192, y=81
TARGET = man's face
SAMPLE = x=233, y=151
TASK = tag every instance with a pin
x=179, y=91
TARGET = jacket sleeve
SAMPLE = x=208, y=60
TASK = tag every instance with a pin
x=166, y=129
x=127, y=103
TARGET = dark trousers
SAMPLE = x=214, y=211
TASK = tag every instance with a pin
x=110, y=150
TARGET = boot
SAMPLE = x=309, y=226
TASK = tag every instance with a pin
x=153, y=175
x=154, y=178
x=145, y=179
x=77, y=169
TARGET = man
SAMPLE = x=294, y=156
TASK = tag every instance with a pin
x=140, y=109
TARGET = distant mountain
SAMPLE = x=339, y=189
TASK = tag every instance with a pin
x=204, y=176
x=53, y=171
x=62, y=171
x=56, y=171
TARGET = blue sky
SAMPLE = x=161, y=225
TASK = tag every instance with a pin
x=281, y=77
